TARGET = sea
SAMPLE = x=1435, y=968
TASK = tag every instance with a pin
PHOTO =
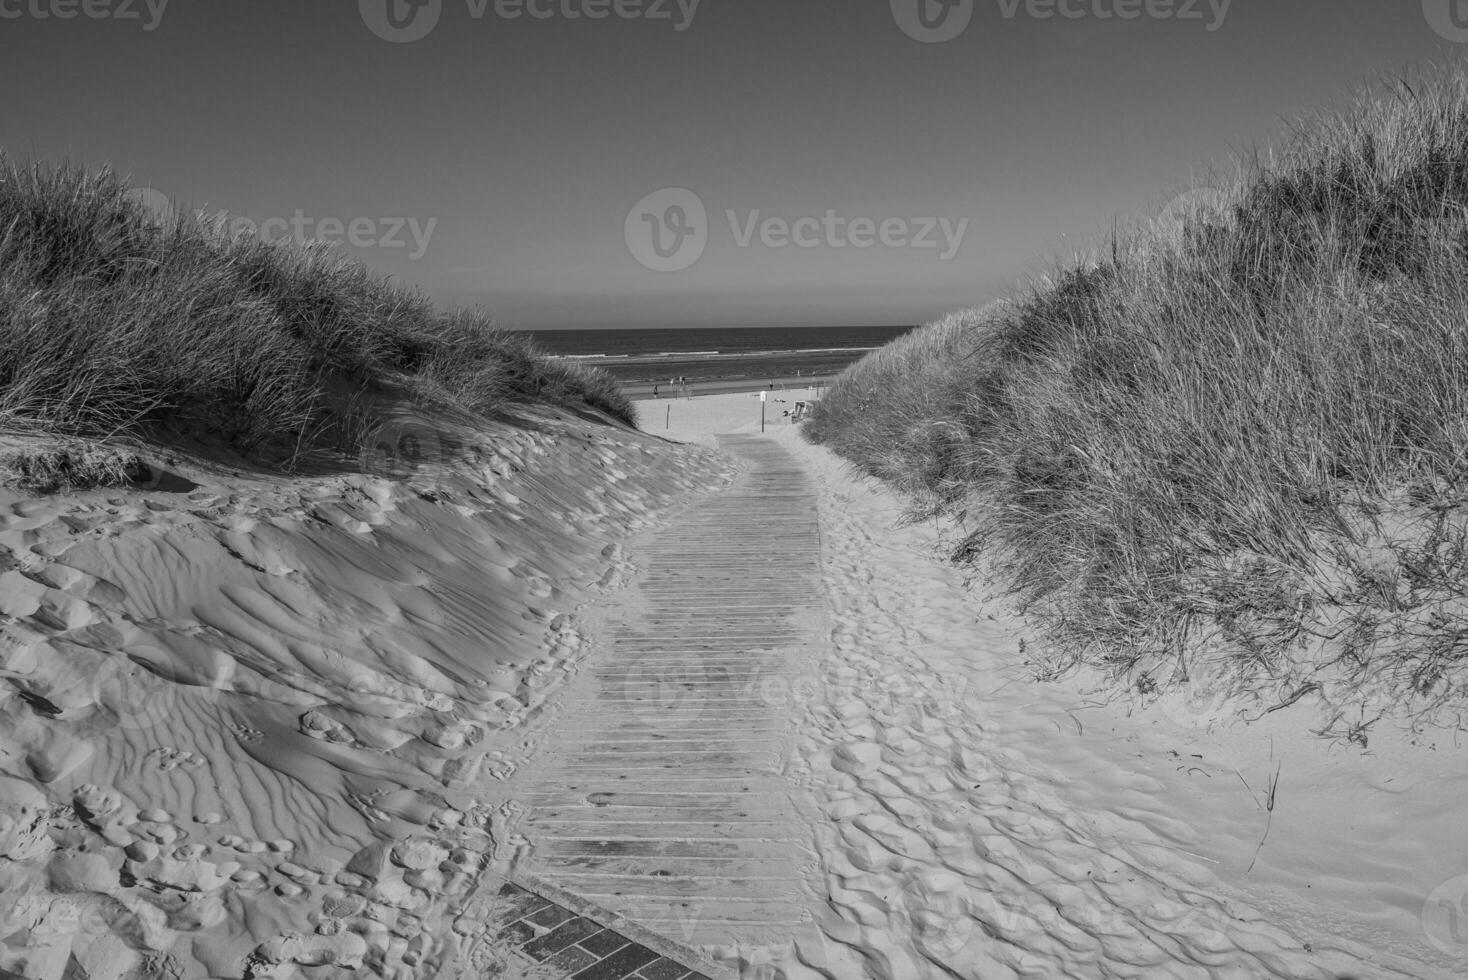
x=745, y=356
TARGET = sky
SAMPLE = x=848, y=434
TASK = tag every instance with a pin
x=631, y=163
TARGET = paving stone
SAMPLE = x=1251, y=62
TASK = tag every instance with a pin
x=517, y=932
x=551, y=916
x=662, y=969
x=619, y=965
x=514, y=902
x=570, y=960
x=603, y=943
x=568, y=932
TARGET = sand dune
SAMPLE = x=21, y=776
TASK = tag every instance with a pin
x=288, y=727
x=260, y=724
x=974, y=823
x=971, y=822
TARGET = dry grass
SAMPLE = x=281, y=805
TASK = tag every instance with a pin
x=72, y=465
x=111, y=323
x=1234, y=447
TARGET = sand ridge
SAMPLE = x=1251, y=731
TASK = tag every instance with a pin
x=261, y=725
x=292, y=727
x=972, y=822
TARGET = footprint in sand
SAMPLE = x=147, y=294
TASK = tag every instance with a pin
x=245, y=733
x=169, y=759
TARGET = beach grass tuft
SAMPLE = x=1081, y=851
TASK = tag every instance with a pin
x=116, y=321
x=1231, y=445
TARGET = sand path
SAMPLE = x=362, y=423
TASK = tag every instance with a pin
x=662, y=796
x=806, y=747
x=971, y=826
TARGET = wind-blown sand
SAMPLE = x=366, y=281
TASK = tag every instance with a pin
x=260, y=724
x=272, y=727
x=973, y=822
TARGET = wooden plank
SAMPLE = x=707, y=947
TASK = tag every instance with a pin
x=667, y=802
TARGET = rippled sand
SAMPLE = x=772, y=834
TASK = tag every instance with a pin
x=262, y=727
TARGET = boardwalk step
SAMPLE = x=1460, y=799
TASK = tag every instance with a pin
x=666, y=803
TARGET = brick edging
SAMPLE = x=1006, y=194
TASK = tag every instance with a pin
x=607, y=919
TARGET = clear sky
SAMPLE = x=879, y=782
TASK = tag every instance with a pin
x=499, y=160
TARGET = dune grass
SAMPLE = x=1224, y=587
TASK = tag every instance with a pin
x=114, y=322
x=1230, y=446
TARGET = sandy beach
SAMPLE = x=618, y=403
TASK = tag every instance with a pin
x=586, y=490
x=788, y=387
x=301, y=726
x=972, y=822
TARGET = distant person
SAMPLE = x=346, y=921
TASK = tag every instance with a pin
x=654, y=391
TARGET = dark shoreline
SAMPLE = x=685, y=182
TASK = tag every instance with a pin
x=751, y=371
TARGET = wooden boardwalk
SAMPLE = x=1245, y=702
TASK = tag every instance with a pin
x=662, y=798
